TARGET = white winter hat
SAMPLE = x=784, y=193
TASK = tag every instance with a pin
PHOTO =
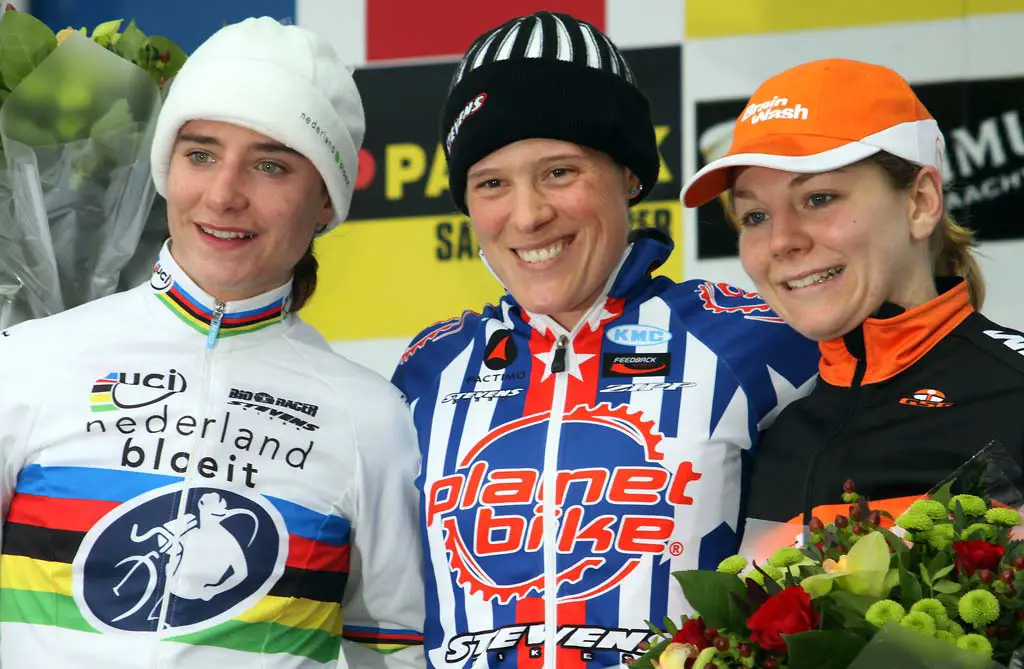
x=282, y=81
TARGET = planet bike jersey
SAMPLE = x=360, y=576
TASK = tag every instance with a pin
x=186, y=483
x=637, y=424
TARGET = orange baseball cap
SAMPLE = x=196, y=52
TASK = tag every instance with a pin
x=820, y=116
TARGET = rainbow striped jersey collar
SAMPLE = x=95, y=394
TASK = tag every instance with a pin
x=204, y=313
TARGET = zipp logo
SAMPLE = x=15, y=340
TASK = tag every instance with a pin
x=646, y=387
x=776, y=108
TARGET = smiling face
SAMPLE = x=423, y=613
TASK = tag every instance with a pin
x=241, y=208
x=826, y=250
x=552, y=220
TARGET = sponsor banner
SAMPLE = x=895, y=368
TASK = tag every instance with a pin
x=705, y=18
x=983, y=122
x=405, y=258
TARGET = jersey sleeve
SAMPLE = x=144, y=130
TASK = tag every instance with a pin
x=16, y=416
x=383, y=607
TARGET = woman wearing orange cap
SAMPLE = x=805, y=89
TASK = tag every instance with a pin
x=834, y=178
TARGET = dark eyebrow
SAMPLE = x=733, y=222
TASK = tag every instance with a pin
x=267, y=147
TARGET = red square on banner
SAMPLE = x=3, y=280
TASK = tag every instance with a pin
x=414, y=28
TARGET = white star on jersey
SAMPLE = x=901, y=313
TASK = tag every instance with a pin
x=572, y=361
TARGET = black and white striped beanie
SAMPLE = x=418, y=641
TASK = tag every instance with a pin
x=550, y=76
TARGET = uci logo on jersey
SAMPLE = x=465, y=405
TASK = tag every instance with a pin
x=614, y=505
x=213, y=562
x=132, y=390
x=638, y=335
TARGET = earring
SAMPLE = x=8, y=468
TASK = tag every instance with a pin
x=634, y=191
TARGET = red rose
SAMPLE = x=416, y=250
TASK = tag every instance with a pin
x=976, y=554
x=692, y=632
x=788, y=612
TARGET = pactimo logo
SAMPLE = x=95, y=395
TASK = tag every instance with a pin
x=472, y=107
x=638, y=335
x=131, y=390
x=776, y=108
x=280, y=408
x=500, y=351
x=143, y=562
x=635, y=364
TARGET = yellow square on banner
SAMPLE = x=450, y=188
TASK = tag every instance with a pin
x=709, y=18
x=392, y=278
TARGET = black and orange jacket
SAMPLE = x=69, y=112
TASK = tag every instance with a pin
x=900, y=403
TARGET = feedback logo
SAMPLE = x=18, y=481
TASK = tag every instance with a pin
x=614, y=504
x=472, y=107
x=775, y=108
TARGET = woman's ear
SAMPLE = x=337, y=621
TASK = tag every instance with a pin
x=633, y=185
x=926, y=203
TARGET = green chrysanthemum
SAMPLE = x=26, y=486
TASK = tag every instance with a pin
x=946, y=636
x=978, y=531
x=951, y=626
x=922, y=622
x=931, y=607
x=939, y=537
x=971, y=504
x=733, y=564
x=976, y=644
x=978, y=607
x=914, y=520
x=930, y=508
x=787, y=556
x=1007, y=517
x=884, y=611
x=773, y=572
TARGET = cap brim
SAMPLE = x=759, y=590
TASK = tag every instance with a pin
x=713, y=179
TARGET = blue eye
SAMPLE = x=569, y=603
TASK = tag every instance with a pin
x=270, y=167
x=199, y=156
x=820, y=199
x=753, y=218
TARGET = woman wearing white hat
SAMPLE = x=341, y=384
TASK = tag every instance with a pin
x=189, y=476
x=835, y=178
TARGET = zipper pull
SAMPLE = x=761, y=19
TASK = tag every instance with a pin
x=218, y=314
x=558, y=362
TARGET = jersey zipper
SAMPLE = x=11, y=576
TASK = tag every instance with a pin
x=193, y=463
x=558, y=367
x=812, y=470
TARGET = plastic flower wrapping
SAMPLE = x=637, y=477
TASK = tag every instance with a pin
x=940, y=586
x=77, y=111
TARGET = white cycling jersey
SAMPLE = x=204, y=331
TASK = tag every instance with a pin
x=187, y=483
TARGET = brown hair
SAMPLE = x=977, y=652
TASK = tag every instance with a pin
x=304, y=279
x=951, y=243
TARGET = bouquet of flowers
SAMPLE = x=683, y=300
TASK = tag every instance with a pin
x=76, y=115
x=941, y=585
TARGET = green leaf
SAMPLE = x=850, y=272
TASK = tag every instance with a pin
x=131, y=44
x=107, y=28
x=645, y=660
x=942, y=572
x=24, y=42
x=710, y=592
x=670, y=626
x=822, y=649
x=117, y=119
x=847, y=610
x=944, y=493
x=924, y=575
x=959, y=518
x=946, y=587
x=910, y=587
